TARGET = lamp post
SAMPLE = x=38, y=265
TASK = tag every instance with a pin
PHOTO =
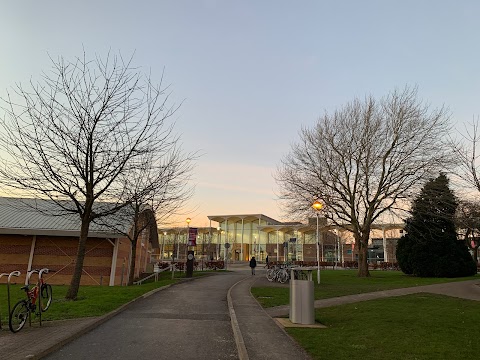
x=317, y=205
x=219, y=240
x=189, y=252
x=188, y=220
x=163, y=245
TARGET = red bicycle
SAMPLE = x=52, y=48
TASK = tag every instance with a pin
x=22, y=309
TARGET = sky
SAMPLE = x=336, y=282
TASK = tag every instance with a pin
x=250, y=74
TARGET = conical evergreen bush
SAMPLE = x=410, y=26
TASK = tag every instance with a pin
x=430, y=247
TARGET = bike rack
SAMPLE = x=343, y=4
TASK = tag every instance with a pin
x=40, y=273
x=39, y=298
x=27, y=282
x=13, y=273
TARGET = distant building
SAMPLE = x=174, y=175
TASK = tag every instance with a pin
x=258, y=235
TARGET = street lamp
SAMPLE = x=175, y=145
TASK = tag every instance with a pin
x=317, y=205
x=163, y=245
x=188, y=220
x=219, y=241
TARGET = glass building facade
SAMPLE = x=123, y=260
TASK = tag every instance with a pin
x=239, y=237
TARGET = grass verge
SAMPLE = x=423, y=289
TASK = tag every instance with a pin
x=420, y=326
x=346, y=282
x=91, y=300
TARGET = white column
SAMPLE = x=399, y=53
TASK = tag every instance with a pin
x=258, y=231
x=225, y=241
x=385, y=255
x=278, y=251
x=177, y=240
x=30, y=258
x=234, y=240
x=114, y=262
x=241, y=249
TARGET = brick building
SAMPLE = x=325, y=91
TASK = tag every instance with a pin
x=34, y=235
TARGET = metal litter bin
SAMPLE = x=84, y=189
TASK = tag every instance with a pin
x=302, y=308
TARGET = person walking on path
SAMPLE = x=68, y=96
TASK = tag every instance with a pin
x=253, y=264
x=266, y=262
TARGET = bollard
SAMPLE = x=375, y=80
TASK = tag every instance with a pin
x=13, y=273
x=39, y=284
x=27, y=282
x=3, y=274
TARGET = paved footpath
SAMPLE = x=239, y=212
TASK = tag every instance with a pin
x=186, y=321
x=263, y=337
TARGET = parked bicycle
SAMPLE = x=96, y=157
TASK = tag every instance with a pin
x=278, y=273
x=23, y=309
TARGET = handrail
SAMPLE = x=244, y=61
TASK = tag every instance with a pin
x=139, y=282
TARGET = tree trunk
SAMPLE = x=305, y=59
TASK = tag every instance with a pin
x=131, y=275
x=362, y=244
x=77, y=274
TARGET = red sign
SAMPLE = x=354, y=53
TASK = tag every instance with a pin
x=192, y=236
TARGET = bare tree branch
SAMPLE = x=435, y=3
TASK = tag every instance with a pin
x=75, y=135
x=363, y=160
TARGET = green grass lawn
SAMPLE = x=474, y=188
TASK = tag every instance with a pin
x=91, y=300
x=346, y=282
x=420, y=326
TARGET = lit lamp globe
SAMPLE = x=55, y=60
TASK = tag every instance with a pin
x=317, y=205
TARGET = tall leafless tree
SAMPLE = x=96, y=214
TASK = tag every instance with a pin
x=467, y=176
x=159, y=188
x=467, y=153
x=364, y=161
x=76, y=133
x=467, y=219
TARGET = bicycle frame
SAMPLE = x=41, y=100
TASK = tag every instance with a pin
x=23, y=309
x=32, y=294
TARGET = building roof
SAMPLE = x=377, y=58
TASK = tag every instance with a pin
x=247, y=218
x=43, y=217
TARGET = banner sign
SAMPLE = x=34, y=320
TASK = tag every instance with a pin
x=192, y=236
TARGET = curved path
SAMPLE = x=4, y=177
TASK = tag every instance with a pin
x=186, y=321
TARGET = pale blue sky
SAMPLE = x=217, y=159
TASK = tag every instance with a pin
x=251, y=73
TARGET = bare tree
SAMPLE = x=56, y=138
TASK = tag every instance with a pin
x=75, y=134
x=467, y=219
x=159, y=189
x=364, y=161
x=468, y=157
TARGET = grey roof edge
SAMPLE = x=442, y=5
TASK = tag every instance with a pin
x=50, y=232
x=243, y=216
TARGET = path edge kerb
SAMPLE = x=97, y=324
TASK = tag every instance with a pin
x=237, y=334
x=100, y=320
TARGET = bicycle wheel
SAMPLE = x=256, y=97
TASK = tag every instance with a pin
x=270, y=275
x=282, y=276
x=46, y=294
x=18, y=316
